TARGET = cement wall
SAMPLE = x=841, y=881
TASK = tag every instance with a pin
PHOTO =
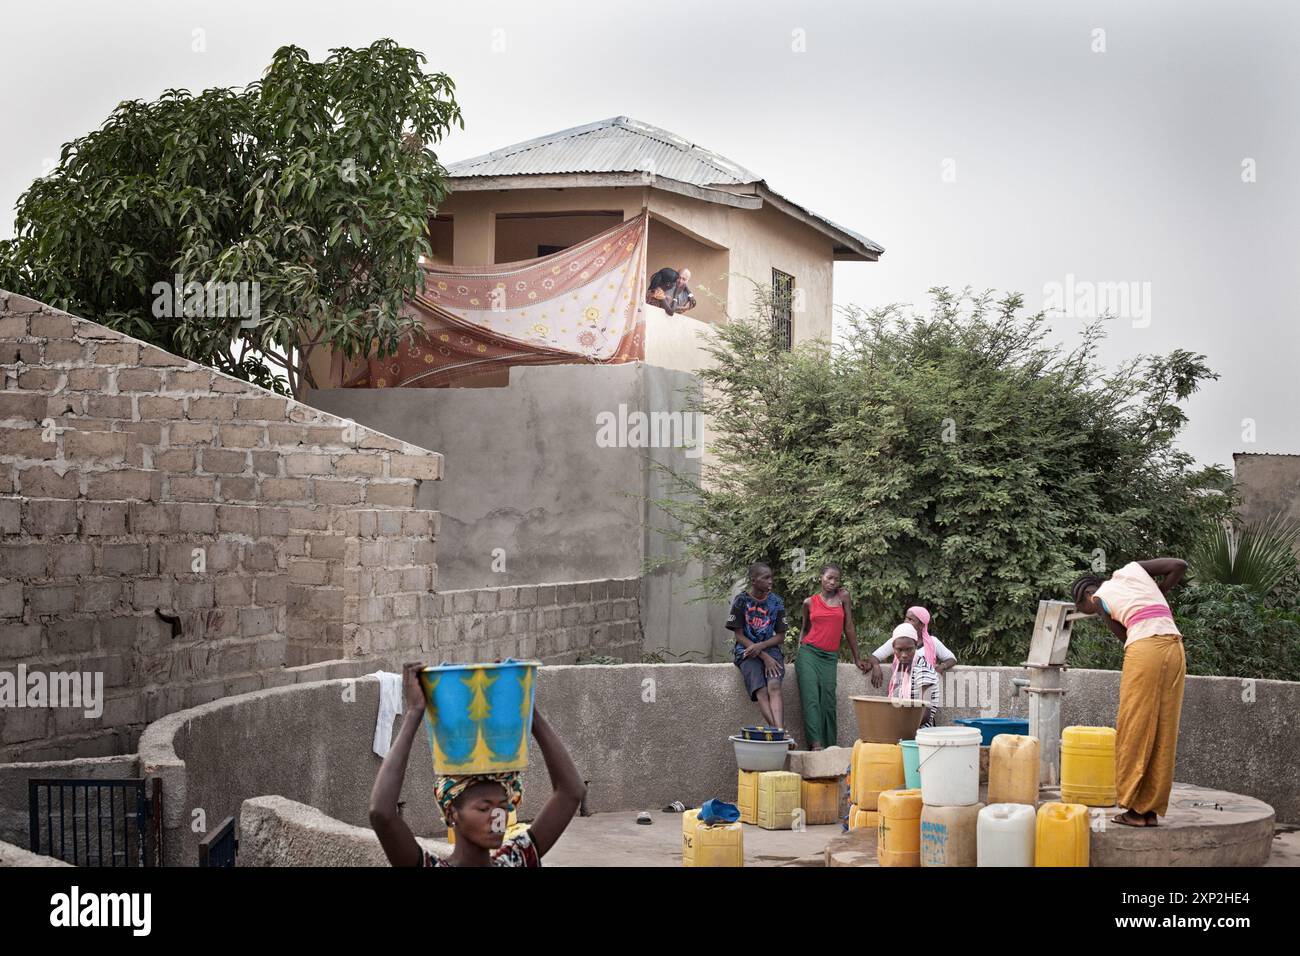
x=11, y=855
x=274, y=831
x=1269, y=485
x=135, y=484
x=529, y=497
x=643, y=736
x=309, y=744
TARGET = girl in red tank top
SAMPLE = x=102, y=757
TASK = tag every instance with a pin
x=827, y=620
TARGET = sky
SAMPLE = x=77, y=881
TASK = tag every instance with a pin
x=1085, y=154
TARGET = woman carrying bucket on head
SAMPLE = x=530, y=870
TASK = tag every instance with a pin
x=1133, y=606
x=476, y=806
x=912, y=677
x=827, y=620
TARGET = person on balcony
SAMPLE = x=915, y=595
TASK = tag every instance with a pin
x=669, y=290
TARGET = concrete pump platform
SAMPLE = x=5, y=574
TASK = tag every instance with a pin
x=1204, y=828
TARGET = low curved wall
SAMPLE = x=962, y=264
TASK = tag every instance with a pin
x=310, y=743
x=274, y=831
x=642, y=735
x=11, y=855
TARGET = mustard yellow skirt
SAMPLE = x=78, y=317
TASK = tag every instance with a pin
x=1146, y=730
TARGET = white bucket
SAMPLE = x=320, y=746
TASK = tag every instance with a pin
x=950, y=766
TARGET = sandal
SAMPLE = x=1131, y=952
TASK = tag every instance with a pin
x=675, y=807
x=643, y=817
x=1130, y=819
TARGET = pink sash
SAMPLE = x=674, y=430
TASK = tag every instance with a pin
x=1148, y=613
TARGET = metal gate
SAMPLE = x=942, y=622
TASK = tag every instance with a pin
x=96, y=822
x=220, y=847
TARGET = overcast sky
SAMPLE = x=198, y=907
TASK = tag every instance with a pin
x=1010, y=145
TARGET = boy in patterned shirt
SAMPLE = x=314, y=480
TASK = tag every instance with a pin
x=757, y=621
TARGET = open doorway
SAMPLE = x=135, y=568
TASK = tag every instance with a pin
x=530, y=235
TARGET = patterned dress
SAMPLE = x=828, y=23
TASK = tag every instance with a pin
x=518, y=850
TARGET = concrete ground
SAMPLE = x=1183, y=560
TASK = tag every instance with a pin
x=1286, y=847
x=616, y=839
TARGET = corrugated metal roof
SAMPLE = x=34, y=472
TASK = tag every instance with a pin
x=625, y=145
x=616, y=145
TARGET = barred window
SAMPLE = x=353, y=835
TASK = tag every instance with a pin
x=783, y=308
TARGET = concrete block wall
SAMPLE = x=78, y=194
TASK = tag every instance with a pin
x=186, y=534
x=191, y=537
x=555, y=623
x=363, y=585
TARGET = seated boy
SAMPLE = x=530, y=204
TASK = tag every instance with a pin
x=757, y=621
x=912, y=676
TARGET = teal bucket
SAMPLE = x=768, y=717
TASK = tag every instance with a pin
x=911, y=764
x=479, y=716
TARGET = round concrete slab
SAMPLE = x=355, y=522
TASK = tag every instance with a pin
x=1204, y=827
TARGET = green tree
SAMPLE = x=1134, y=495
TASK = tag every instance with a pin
x=312, y=185
x=956, y=460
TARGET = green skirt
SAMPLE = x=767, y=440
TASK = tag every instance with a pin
x=815, y=671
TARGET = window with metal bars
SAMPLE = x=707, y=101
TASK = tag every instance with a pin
x=783, y=308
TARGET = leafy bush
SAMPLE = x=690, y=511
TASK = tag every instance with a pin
x=955, y=460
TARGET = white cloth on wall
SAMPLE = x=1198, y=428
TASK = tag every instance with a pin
x=390, y=705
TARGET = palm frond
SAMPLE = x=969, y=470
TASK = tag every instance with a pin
x=1258, y=555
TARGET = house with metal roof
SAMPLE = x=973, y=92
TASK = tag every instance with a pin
x=552, y=469
x=707, y=214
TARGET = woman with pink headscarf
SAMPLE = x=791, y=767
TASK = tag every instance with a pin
x=936, y=654
x=912, y=677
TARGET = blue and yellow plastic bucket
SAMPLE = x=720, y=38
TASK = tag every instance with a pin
x=479, y=716
x=763, y=733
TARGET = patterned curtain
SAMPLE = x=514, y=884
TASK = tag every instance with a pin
x=582, y=304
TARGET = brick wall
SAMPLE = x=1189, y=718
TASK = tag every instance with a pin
x=186, y=534
x=556, y=623
x=191, y=536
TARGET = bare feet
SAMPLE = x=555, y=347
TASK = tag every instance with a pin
x=1130, y=819
x=816, y=747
